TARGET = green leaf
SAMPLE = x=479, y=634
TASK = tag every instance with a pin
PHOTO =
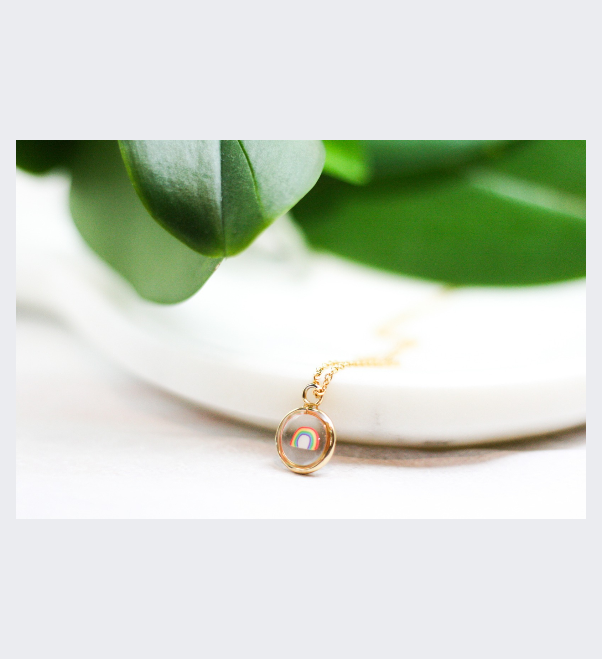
x=40, y=156
x=395, y=158
x=519, y=219
x=113, y=221
x=556, y=164
x=216, y=196
x=358, y=161
x=347, y=160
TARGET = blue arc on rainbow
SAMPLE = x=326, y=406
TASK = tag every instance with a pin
x=306, y=438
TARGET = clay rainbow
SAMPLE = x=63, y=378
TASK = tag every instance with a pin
x=306, y=438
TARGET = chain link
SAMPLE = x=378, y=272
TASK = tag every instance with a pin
x=324, y=374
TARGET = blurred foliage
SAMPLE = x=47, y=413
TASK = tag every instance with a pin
x=347, y=160
x=114, y=222
x=516, y=217
x=359, y=161
x=395, y=158
x=40, y=156
x=461, y=211
x=554, y=164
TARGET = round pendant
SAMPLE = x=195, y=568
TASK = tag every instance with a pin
x=305, y=440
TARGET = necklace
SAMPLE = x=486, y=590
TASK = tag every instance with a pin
x=306, y=438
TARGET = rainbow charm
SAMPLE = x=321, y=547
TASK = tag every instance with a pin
x=306, y=438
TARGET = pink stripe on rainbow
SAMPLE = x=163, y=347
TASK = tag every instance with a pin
x=306, y=438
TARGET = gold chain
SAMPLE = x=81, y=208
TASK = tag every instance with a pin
x=324, y=374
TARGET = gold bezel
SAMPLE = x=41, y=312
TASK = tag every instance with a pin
x=330, y=440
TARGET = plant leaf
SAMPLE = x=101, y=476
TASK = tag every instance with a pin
x=40, y=156
x=347, y=160
x=216, y=196
x=556, y=164
x=519, y=219
x=113, y=221
x=358, y=161
x=395, y=158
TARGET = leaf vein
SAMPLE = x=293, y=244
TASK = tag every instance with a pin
x=253, y=177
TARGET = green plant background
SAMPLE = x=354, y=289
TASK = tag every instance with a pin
x=485, y=214
x=467, y=212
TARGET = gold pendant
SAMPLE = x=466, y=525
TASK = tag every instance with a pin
x=306, y=438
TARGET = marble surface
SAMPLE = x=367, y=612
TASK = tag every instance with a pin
x=93, y=442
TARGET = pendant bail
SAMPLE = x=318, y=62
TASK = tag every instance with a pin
x=318, y=396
